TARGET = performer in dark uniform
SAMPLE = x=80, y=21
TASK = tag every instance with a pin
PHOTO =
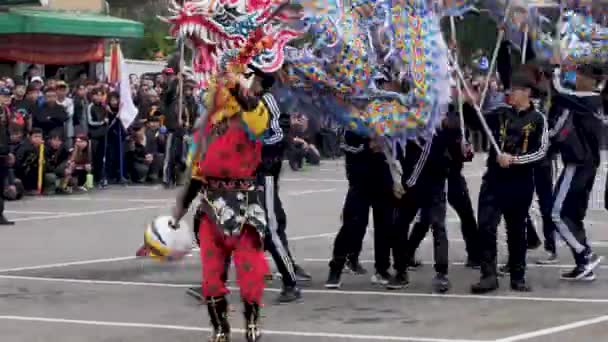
x=578, y=117
x=508, y=184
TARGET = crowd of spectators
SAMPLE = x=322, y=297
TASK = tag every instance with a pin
x=68, y=137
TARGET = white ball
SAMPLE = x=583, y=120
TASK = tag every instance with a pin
x=178, y=241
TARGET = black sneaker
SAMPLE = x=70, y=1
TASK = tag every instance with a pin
x=441, y=283
x=5, y=222
x=550, y=259
x=520, y=286
x=301, y=275
x=355, y=267
x=195, y=292
x=288, y=295
x=485, y=285
x=578, y=273
x=474, y=264
x=333, y=280
x=593, y=260
x=381, y=278
x=532, y=245
x=398, y=281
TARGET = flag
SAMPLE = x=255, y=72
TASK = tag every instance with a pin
x=114, y=72
x=127, y=110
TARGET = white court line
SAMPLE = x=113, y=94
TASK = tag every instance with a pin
x=327, y=292
x=27, y=212
x=86, y=213
x=67, y=264
x=307, y=192
x=106, y=260
x=106, y=199
x=555, y=330
x=240, y=331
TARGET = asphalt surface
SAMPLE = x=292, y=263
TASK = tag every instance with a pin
x=68, y=273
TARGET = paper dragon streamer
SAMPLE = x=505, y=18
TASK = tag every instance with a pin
x=356, y=42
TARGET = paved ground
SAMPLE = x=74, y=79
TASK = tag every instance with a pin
x=67, y=274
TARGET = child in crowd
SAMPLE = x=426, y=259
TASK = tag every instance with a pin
x=27, y=161
x=56, y=159
x=79, y=165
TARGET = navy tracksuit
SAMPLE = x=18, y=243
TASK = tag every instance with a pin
x=508, y=192
x=369, y=185
x=577, y=130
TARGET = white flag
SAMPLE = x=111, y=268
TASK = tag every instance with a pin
x=127, y=112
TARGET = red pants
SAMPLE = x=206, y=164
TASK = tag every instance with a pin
x=248, y=256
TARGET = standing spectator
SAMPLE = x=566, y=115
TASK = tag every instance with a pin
x=50, y=116
x=98, y=120
x=5, y=97
x=68, y=104
x=81, y=104
x=115, y=140
x=18, y=97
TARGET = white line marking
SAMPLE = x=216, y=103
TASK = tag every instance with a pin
x=105, y=199
x=88, y=213
x=308, y=237
x=329, y=292
x=555, y=330
x=307, y=192
x=26, y=212
x=106, y=260
x=240, y=331
x=564, y=266
x=66, y=264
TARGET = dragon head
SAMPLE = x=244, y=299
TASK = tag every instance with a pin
x=218, y=31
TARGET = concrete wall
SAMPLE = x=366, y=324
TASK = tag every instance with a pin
x=77, y=5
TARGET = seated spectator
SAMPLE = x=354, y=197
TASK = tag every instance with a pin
x=27, y=161
x=143, y=155
x=299, y=149
x=51, y=116
x=56, y=160
x=79, y=166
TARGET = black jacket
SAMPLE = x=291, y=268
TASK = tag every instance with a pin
x=364, y=167
x=523, y=135
x=4, y=134
x=49, y=118
x=576, y=127
x=96, y=115
x=275, y=138
x=55, y=158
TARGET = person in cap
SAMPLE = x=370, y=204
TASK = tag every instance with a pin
x=508, y=185
x=5, y=98
x=577, y=116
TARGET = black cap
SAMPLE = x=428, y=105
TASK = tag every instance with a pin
x=523, y=79
x=267, y=79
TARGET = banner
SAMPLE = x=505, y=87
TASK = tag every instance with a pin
x=51, y=49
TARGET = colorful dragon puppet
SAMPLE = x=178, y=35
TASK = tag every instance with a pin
x=353, y=43
x=242, y=32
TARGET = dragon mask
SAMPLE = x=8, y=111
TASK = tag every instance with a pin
x=226, y=31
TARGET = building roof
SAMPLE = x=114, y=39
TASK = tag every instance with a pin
x=27, y=20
